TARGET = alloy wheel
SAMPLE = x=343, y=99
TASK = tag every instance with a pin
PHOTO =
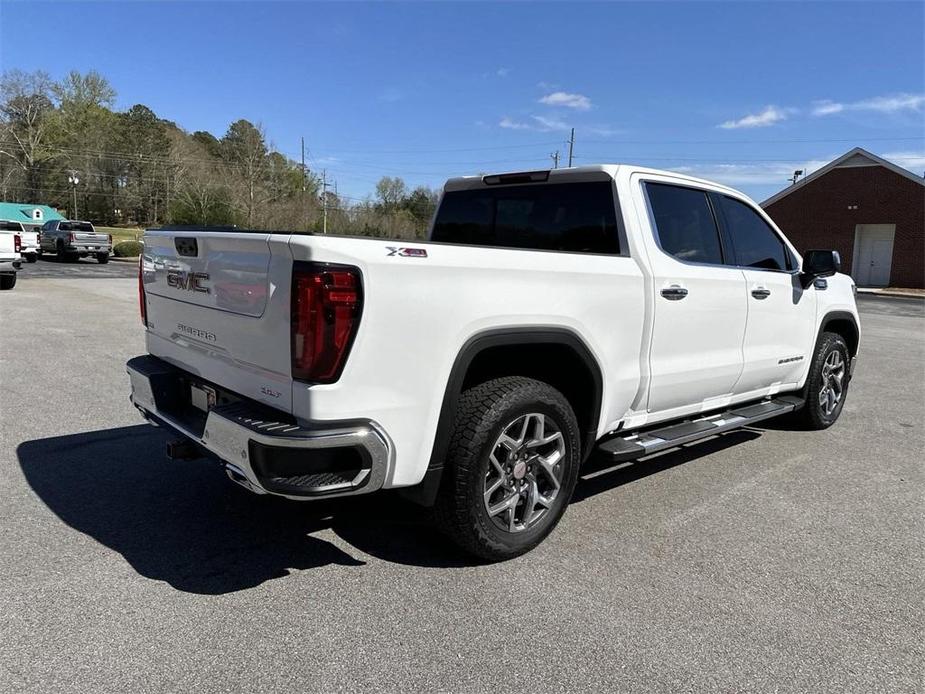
x=833, y=386
x=524, y=474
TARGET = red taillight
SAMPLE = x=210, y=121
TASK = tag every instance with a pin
x=326, y=305
x=142, y=301
x=17, y=243
x=110, y=239
x=71, y=237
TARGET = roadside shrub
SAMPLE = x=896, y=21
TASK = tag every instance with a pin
x=127, y=249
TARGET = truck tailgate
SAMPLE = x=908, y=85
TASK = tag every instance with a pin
x=218, y=307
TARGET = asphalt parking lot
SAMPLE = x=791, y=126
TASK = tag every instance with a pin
x=764, y=560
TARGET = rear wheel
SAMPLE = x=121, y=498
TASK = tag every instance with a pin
x=32, y=257
x=8, y=281
x=102, y=258
x=827, y=384
x=511, y=467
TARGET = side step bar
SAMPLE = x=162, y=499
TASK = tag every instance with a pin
x=649, y=441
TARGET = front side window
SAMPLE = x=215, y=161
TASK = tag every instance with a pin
x=569, y=217
x=755, y=243
x=684, y=223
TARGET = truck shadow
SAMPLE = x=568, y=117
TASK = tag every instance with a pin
x=187, y=525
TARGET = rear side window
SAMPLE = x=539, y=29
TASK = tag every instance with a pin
x=10, y=226
x=570, y=217
x=754, y=242
x=685, y=223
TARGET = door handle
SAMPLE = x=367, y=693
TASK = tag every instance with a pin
x=761, y=292
x=674, y=292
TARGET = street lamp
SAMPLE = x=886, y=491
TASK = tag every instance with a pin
x=74, y=180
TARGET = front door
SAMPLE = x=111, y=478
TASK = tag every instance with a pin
x=781, y=313
x=700, y=303
x=874, y=254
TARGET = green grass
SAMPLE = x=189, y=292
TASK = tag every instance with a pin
x=119, y=234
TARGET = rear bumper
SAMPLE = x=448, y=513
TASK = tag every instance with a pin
x=262, y=449
x=10, y=265
x=82, y=248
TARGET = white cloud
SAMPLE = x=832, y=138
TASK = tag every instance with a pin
x=512, y=124
x=577, y=101
x=769, y=116
x=547, y=124
x=913, y=161
x=879, y=104
x=827, y=108
x=541, y=124
x=503, y=71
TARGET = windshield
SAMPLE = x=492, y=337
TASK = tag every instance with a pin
x=571, y=217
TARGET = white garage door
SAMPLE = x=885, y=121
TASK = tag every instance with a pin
x=873, y=254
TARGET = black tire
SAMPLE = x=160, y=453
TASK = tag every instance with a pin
x=102, y=258
x=61, y=255
x=8, y=281
x=32, y=257
x=484, y=413
x=814, y=415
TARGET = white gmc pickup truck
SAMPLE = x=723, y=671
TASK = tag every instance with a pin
x=551, y=314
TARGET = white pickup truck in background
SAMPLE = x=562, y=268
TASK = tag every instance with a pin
x=10, y=257
x=28, y=240
x=615, y=309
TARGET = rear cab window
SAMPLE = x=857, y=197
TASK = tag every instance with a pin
x=76, y=226
x=575, y=217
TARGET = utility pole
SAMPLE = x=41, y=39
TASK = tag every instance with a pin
x=73, y=179
x=303, y=166
x=324, y=201
x=555, y=159
x=571, y=147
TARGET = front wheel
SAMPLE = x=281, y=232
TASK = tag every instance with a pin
x=827, y=383
x=511, y=467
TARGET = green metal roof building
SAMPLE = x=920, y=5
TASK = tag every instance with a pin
x=29, y=214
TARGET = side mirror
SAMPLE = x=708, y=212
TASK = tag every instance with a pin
x=819, y=264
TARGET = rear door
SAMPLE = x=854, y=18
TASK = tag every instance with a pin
x=779, y=333
x=700, y=306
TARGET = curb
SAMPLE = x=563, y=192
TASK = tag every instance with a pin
x=888, y=293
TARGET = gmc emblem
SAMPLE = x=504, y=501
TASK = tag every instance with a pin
x=191, y=281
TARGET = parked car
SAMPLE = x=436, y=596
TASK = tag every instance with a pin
x=29, y=240
x=552, y=314
x=70, y=240
x=10, y=258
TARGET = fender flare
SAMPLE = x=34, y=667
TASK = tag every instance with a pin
x=425, y=492
x=841, y=315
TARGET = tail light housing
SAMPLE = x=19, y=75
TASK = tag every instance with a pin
x=110, y=239
x=17, y=243
x=71, y=237
x=327, y=301
x=142, y=300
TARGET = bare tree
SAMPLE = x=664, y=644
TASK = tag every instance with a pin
x=26, y=110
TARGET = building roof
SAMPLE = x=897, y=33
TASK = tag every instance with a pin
x=25, y=212
x=856, y=157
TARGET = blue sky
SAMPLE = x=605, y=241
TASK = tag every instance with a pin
x=739, y=92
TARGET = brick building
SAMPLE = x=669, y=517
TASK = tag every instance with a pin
x=868, y=209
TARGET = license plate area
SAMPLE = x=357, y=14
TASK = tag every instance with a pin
x=202, y=397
